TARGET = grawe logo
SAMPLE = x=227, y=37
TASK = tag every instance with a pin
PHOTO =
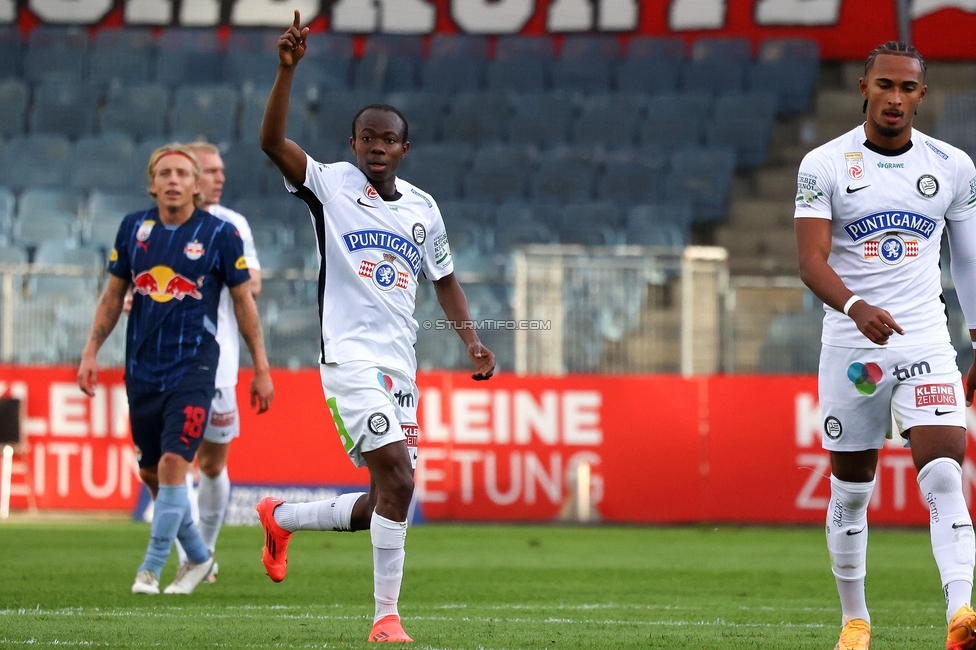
x=865, y=377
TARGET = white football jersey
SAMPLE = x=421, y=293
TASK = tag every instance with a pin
x=227, y=335
x=371, y=253
x=888, y=210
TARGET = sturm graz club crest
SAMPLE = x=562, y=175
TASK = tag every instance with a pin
x=419, y=233
x=927, y=185
x=378, y=423
x=832, y=427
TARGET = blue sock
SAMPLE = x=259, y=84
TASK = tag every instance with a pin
x=172, y=504
x=189, y=535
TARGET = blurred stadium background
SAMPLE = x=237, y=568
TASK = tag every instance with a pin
x=630, y=188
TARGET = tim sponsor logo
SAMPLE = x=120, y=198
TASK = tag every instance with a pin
x=920, y=368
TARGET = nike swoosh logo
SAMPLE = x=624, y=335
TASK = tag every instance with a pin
x=855, y=532
x=851, y=190
x=365, y=205
x=958, y=526
x=938, y=412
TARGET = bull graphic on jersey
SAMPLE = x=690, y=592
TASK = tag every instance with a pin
x=383, y=274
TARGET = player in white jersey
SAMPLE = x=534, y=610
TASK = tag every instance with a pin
x=213, y=494
x=871, y=207
x=376, y=234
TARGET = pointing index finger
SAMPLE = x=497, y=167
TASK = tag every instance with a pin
x=298, y=19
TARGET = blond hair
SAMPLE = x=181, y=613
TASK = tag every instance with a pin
x=179, y=149
x=202, y=145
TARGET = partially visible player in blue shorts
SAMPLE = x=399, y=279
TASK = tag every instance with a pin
x=177, y=258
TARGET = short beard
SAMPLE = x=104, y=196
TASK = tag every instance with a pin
x=889, y=131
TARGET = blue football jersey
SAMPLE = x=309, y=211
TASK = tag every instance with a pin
x=177, y=274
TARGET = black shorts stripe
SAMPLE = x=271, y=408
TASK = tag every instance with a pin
x=318, y=222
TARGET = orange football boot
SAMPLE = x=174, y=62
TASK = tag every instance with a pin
x=275, y=551
x=389, y=630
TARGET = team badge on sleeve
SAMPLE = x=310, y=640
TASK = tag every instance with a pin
x=241, y=263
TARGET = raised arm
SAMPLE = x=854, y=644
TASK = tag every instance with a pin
x=455, y=306
x=246, y=311
x=287, y=156
x=106, y=316
x=813, y=250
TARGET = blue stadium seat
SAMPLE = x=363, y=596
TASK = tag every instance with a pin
x=721, y=49
x=541, y=118
x=13, y=107
x=424, y=112
x=249, y=171
x=106, y=211
x=788, y=69
x=106, y=163
x=7, y=209
x=458, y=46
x=56, y=54
x=653, y=65
x=702, y=176
x=610, y=120
x=659, y=224
x=792, y=344
x=383, y=72
x=499, y=173
x=139, y=111
x=282, y=210
x=333, y=120
x=566, y=174
x=580, y=47
x=476, y=118
x=511, y=46
x=396, y=46
x=48, y=214
x=445, y=75
x=495, y=154
x=189, y=56
x=512, y=235
x=526, y=75
x=674, y=121
x=514, y=211
x=716, y=76
x=11, y=52
x=123, y=56
x=424, y=162
x=209, y=111
x=325, y=71
x=300, y=127
x=743, y=122
x=633, y=175
x=67, y=108
x=584, y=76
x=38, y=160
x=56, y=251
x=477, y=212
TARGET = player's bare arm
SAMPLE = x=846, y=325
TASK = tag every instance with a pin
x=455, y=306
x=255, y=282
x=813, y=250
x=106, y=316
x=287, y=156
x=246, y=311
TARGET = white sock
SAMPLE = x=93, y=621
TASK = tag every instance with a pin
x=847, y=541
x=213, y=497
x=194, y=513
x=388, y=539
x=953, y=541
x=331, y=514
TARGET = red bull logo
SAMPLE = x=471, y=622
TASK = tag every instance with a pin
x=162, y=284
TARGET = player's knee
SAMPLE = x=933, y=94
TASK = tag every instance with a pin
x=209, y=466
x=150, y=478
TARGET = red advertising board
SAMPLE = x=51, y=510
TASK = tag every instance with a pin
x=661, y=448
x=845, y=29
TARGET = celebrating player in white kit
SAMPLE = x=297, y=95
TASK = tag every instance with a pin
x=871, y=206
x=375, y=235
x=213, y=494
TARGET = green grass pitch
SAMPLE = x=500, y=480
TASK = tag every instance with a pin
x=470, y=587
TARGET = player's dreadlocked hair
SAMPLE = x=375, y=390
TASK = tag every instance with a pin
x=381, y=107
x=897, y=48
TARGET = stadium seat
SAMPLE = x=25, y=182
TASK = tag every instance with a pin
x=748, y=135
x=604, y=213
x=333, y=120
x=7, y=205
x=653, y=65
x=633, y=175
x=13, y=107
x=565, y=174
x=106, y=163
x=511, y=46
x=543, y=119
x=54, y=252
x=609, y=120
x=12, y=254
x=792, y=344
x=509, y=236
x=106, y=211
x=35, y=228
x=36, y=161
x=702, y=176
x=442, y=182
x=447, y=75
x=382, y=72
x=270, y=234
x=37, y=203
x=281, y=259
x=584, y=76
x=470, y=211
x=325, y=70
x=526, y=75
x=580, y=47
x=209, y=111
x=66, y=108
x=458, y=46
x=715, y=76
x=424, y=112
x=300, y=126
x=56, y=54
x=248, y=171
x=189, y=56
x=788, y=69
x=678, y=213
x=123, y=56
x=674, y=121
x=11, y=52
x=650, y=225
x=476, y=118
x=138, y=111
x=282, y=210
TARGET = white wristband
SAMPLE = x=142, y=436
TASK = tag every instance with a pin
x=974, y=345
x=850, y=303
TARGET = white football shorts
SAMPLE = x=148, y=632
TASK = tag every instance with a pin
x=866, y=393
x=372, y=407
x=224, y=423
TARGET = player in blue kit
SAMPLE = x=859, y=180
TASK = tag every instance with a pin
x=177, y=258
